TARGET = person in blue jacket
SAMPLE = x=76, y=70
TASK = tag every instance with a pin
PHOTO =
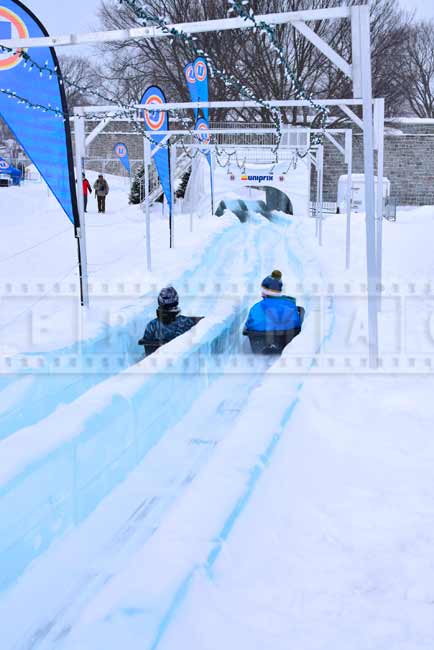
x=275, y=312
x=169, y=322
x=275, y=321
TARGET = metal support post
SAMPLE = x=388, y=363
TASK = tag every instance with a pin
x=379, y=143
x=147, y=161
x=317, y=166
x=172, y=194
x=321, y=193
x=80, y=227
x=360, y=19
x=349, y=161
x=309, y=182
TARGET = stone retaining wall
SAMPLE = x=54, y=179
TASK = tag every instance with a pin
x=408, y=164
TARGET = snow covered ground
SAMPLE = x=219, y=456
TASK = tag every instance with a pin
x=282, y=508
x=38, y=251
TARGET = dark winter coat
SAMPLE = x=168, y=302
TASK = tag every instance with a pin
x=273, y=314
x=101, y=187
x=165, y=328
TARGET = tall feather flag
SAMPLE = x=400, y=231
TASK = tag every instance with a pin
x=37, y=111
x=156, y=121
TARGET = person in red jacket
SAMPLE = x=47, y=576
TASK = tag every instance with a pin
x=86, y=189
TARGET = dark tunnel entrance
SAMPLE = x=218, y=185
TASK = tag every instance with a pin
x=275, y=200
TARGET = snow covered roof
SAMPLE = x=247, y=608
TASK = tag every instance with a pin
x=410, y=120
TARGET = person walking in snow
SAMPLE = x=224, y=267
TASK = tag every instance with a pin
x=101, y=188
x=86, y=190
x=169, y=323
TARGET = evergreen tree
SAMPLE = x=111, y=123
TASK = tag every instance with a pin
x=138, y=186
x=180, y=192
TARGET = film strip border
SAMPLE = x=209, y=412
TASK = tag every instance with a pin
x=336, y=288
x=235, y=364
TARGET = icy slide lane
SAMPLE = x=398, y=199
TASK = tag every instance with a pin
x=132, y=514
x=54, y=473
x=33, y=394
x=79, y=567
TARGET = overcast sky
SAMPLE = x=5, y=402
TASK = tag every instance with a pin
x=66, y=16
x=424, y=8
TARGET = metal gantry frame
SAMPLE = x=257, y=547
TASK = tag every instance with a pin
x=315, y=157
x=347, y=152
x=198, y=147
x=359, y=72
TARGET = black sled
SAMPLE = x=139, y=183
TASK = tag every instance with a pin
x=273, y=342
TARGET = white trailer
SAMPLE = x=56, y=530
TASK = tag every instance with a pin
x=358, y=192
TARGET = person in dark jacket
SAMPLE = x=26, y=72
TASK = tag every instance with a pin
x=275, y=312
x=169, y=322
x=86, y=190
x=101, y=188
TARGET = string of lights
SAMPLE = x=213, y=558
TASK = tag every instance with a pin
x=243, y=9
x=22, y=100
x=230, y=80
x=124, y=111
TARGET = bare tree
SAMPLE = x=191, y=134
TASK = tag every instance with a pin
x=389, y=29
x=419, y=69
x=244, y=54
x=80, y=77
x=135, y=65
x=132, y=66
x=4, y=132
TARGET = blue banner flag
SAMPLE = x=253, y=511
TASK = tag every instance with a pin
x=44, y=135
x=201, y=77
x=121, y=153
x=156, y=121
x=204, y=135
x=10, y=170
x=192, y=85
x=5, y=29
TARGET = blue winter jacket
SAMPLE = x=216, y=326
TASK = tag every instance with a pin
x=273, y=314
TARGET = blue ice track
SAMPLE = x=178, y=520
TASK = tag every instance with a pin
x=61, y=489
x=50, y=495
x=67, y=614
x=47, y=388
x=256, y=474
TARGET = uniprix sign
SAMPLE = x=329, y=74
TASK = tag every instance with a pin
x=258, y=178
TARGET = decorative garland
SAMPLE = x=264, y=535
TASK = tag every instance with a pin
x=22, y=100
x=124, y=110
x=245, y=11
x=230, y=80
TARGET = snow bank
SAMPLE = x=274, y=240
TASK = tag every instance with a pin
x=186, y=545
x=54, y=474
x=44, y=380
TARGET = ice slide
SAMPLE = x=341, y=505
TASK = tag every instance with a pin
x=77, y=471
x=257, y=247
x=31, y=394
